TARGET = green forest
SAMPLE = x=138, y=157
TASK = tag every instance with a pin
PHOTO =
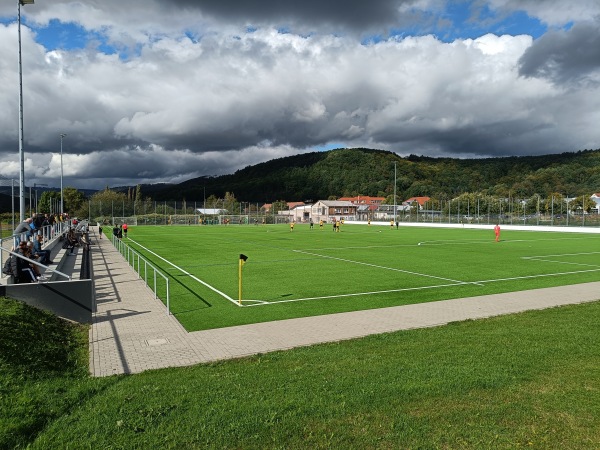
x=538, y=182
x=360, y=171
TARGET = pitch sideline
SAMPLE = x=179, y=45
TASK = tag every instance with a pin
x=187, y=273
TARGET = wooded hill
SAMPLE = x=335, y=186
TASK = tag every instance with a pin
x=360, y=171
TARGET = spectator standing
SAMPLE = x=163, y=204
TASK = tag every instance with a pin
x=38, y=221
x=23, y=227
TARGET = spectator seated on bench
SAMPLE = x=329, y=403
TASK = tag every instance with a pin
x=71, y=241
x=42, y=255
x=21, y=270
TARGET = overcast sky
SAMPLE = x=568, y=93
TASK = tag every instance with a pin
x=154, y=91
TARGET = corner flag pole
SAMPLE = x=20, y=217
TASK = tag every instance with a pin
x=243, y=259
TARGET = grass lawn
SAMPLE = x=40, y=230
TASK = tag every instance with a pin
x=528, y=380
x=313, y=272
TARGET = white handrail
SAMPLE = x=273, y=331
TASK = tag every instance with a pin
x=18, y=255
x=130, y=257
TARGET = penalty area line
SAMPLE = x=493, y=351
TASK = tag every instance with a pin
x=188, y=274
x=357, y=294
x=542, y=275
x=386, y=268
x=561, y=262
x=479, y=283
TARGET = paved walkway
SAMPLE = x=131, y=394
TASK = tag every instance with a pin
x=132, y=332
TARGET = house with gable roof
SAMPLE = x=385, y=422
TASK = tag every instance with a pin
x=329, y=210
x=418, y=200
x=366, y=205
x=596, y=198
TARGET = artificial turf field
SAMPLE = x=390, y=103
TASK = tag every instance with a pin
x=313, y=272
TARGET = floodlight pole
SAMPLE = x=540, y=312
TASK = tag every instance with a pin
x=62, y=135
x=36, y=194
x=21, y=151
x=12, y=200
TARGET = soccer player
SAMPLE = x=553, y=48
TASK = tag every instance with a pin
x=497, y=232
x=125, y=230
x=321, y=224
x=292, y=225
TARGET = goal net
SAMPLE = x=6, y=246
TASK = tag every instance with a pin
x=183, y=219
x=234, y=219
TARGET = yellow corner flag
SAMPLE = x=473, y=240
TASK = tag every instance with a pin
x=243, y=259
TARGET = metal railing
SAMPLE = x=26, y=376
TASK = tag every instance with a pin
x=141, y=264
x=31, y=261
x=50, y=233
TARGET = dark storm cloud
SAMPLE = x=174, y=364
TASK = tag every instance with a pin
x=504, y=138
x=564, y=56
x=359, y=15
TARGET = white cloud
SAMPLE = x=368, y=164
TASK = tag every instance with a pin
x=552, y=12
x=226, y=97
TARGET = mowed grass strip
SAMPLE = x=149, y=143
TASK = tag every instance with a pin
x=521, y=381
x=312, y=272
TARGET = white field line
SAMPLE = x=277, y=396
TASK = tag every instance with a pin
x=383, y=267
x=542, y=258
x=445, y=242
x=423, y=287
x=356, y=294
x=539, y=276
x=187, y=273
x=562, y=254
x=562, y=262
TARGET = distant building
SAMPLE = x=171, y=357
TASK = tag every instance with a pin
x=366, y=206
x=300, y=213
x=329, y=210
x=364, y=200
x=596, y=198
x=292, y=205
x=211, y=211
x=386, y=212
x=419, y=200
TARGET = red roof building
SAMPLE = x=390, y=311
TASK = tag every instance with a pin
x=372, y=202
x=420, y=200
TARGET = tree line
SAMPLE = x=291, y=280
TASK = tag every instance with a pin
x=351, y=172
x=527, y=183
